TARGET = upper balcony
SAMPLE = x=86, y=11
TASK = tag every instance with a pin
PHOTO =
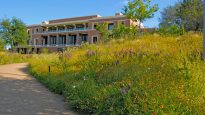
x=62, y=28
x=65, y=30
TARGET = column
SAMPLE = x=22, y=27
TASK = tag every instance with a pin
x=46, y=29
x=64, y=40
x=51, y=40
x=78, y=39
x=90, y=39
x=65, y=28
x=56, y=28
x=90, y=25
x=84, y=26
x=74, y=27
x=43, y=41
x=48, y=40
x=66, y=35
x=57, y=40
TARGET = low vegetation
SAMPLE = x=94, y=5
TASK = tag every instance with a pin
x=10, y=58
x=153, y=75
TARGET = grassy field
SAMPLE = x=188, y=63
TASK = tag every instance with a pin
x=9, y=58
x=148, y=75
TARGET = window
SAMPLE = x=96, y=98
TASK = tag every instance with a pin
x=123, y=22
x=61, y=28
x=84, y=37
x=51, y=41
x=54, y=40
x=72, y=40
x=63, y=40
x=36, y=42
x=59, y=40
x=110, y=26
x=95, y=26
x=95, y=39
x=86, y=25
x=80, y=27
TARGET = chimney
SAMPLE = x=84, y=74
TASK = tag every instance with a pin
x=118, y=14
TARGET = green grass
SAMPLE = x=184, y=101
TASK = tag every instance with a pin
x=148, y=75
x=9, y=58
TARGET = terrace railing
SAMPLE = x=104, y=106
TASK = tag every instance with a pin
x=53, y=45
x=65, y=30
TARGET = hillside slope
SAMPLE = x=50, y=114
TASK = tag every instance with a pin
x=149, y=75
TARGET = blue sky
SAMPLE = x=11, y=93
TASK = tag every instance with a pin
x=36, y=11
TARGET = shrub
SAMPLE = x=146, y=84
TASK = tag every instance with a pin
x=104, y=32
x=119, y=31
x=172, y=30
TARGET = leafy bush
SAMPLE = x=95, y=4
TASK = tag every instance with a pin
x=151, y=75
x=104, y=32
x=119, y=31
x=172, y=30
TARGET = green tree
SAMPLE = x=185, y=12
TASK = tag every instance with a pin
x=169, y=16
x=119, y=30
x=2, y=44
x=13, y=32
x=103, y=30
x=186, y=14
x=140, y=10
x=190, y=14
x=173, y=30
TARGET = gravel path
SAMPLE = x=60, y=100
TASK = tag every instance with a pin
x=21, y=94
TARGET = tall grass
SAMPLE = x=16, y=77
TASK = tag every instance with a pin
x=149, y=75
x=9, y=58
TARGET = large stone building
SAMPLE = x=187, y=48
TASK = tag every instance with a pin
x=62, y=33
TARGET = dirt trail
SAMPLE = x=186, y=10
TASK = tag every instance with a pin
x=21, y=94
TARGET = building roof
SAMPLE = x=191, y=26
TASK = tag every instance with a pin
x=73, y=19
x=76, y=20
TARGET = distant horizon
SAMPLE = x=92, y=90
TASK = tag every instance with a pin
x=35, y=12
